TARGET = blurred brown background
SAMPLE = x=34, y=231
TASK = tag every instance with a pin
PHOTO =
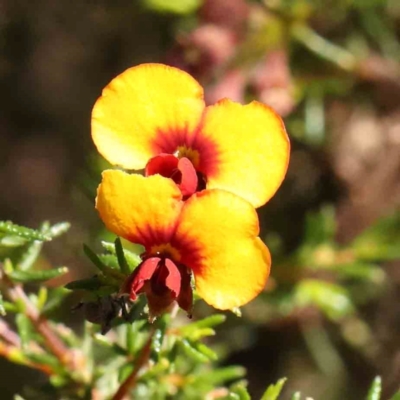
x=341, y=105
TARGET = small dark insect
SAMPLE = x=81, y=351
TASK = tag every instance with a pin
x=103, y=311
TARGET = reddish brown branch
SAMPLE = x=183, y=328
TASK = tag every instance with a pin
x=129, y=382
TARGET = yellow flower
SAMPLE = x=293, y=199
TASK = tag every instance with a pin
x=212, y=235
x=153, y=116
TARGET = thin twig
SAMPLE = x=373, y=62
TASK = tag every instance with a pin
x=53, y=343
x=8, y=335
x=13, y=354
x=129, y=382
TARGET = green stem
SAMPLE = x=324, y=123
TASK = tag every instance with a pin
x=323, y=48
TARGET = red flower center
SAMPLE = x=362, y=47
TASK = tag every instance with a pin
x=180, y=170
x=163, y=282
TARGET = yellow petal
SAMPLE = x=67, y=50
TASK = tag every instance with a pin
x=142, y=210
x=146, y=110
x=251, y=150
x=218, y=234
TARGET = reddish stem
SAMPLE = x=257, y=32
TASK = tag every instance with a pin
x=129, y=382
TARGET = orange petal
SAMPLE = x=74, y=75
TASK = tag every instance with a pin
x=146, y=110
x=250, y=151
x=142, y=210
x=217, y=232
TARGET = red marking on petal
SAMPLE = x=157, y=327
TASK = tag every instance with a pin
x=188, y=184
x=208, y=153
x=143, y=273
x=169, y=141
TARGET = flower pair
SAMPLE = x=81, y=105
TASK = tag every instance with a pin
x=206, y=169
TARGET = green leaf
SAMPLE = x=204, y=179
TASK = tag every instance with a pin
x=94, y=258
x=203, y=349
x=58, y=229
x=11, y=229
x=296, y=396
x=109, y=260
x=56, y=296
x=131, y=258
x=221, y=375
x=43, y=358
x=240, y=390
x=12, y=241
x=158, y=337
x=192, y=352
x=320, y=226
x=208, y=322
x=361, y=270
x=273, y=391
x=58, y=381
x=396, y=396
x=37, y=276
x=125, y=269
x=380, y=241
x=333, y=300
x=181, y=7
x=29, y=256
x=25, y=330
x=125, y=371
x=106, y=270
x=375, y=389
x=90, y=284
x=42, y=297
x=130, y=339
x=2, y=309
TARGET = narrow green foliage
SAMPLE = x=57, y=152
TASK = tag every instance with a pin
x=380, y=241
x=57, y=230
x=273, y=391
x=90, y=284
x=30, y=255
x=239, y=391
x=132, y=259
x=158, y=337
x=130, y=339
x=205, y=350
x=221, y=375
x=8, y=228
x=375, y=389
x=121, y=257
x=320, y=226
x=124, y=372
x=25, y=330
x=105, y=269
x=192, y=352
x=2, y=308
x=45, y=359
x=37, y=276
x=55, y=297
x=179, y=7
x=202, y=328
x=333, y=300
x=42, y=297
x=94, y=258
